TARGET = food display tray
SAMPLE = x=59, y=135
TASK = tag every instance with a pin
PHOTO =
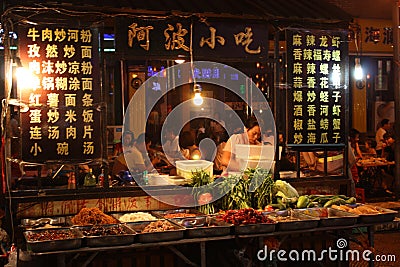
x=385, y=215
x=302, y=221
x=120, y=214
x=163, y=213
x=331, y=217
x=108, y=240
x=175, y=234
x=203, y=226
x=54, y=245
x=48, y=222
x=256, y=228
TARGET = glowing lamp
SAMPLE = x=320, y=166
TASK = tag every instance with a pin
x=198, y=99
x=358, y=71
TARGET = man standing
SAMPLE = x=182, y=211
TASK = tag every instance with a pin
x=380, y=141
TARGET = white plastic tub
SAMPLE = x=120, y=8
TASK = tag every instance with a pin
x=184, y=168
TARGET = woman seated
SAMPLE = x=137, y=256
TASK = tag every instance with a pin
x=131, y=159
x=188, y=147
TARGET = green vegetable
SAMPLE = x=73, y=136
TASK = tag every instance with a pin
x=351, y=200
x=303, y=202
x=201, y=182
x=286, y=189
x=335, y=201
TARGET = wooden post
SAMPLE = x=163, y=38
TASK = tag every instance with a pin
x=396, y=40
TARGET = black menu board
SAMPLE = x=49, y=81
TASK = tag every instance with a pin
x=64, y=94
x=316, y=69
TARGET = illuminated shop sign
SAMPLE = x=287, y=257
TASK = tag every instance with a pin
x=316, y=66
x=64, y=97
x=209, y=39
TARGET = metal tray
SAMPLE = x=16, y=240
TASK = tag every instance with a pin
x=54, y=245
x=385, y=215
x=203, y=226
x=302, y=221
x=331, y=217
x=176, y=233
x=120, y=214
x=163, y=213
x=255, y=228
x=108, y=240
x=50, y=222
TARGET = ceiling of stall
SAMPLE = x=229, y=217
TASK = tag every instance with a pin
x=319, y=11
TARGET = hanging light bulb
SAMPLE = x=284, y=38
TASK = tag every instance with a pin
x=198, y=99
x=180, y=59
x=358, y=71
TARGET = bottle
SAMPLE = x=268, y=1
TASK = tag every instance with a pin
x=12, y=256
x=90, y=179
x=101, y=179
x=145, y=177
x=71, y=181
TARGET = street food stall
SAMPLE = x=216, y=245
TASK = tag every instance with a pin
x=61, y=198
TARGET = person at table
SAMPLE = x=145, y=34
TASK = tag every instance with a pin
x=217, y=126
x=380, y=144
x=250, y=136
x=151, y=157
x=171, y=146
x=388, y=151
x=369, y=150
x=188, y=147
x=131, y=155
x=354, y=143
x=388, y=154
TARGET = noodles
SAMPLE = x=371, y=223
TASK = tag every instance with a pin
x=89, y=216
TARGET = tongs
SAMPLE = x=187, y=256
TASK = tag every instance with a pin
x=41, y=222
x=193, y=222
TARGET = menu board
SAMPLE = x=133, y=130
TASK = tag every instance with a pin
x=316, y=75
x=64, y=95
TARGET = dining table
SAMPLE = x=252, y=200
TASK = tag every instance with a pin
x=372, y=171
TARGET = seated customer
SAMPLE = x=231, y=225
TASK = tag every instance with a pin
x=188, y=147
x=151, y=157
x=131, y=159
x=388, y=150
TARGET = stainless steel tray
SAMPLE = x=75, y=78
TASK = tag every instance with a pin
x=168, y=235
x=255, y=228
x=52, y=222
x=120, y=214
x=331, y=217
x=385, y=215
x=54, y=245
x=203, y=226
x=301, y=221
x=108, y=239
x=163, y=213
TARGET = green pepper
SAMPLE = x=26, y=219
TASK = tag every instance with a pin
x=302, y=202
